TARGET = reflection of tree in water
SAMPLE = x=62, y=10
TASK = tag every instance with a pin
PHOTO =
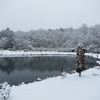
x=6, y=65
x=39, y=63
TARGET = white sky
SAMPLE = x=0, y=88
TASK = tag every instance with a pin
x=28, y=15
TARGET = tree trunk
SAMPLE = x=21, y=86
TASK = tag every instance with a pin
x=79, y=74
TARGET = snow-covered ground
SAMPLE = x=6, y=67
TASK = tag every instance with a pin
x=98, y=62
x=7, y=53
x=71, y=87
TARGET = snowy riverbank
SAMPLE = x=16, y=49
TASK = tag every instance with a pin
x=7, y=53
x=72, y=87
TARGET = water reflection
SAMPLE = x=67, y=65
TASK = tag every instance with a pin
x=17, y=70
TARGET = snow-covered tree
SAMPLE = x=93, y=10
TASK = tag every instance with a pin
x=80, y=59
x=52, y=39
x=5, y=90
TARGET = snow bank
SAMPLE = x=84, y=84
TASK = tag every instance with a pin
x=93, y=55
x=98, y=62
x=72, y=87
x=7, y=53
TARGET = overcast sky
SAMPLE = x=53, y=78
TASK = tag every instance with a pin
x=28, y=15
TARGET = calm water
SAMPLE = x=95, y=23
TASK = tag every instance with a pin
x=18, y=70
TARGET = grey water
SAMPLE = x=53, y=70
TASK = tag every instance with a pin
x=27, y=69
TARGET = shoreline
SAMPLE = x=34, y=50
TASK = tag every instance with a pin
x=7, y=53
x=59, y=87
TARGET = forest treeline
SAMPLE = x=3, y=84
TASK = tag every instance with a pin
x=62, y=39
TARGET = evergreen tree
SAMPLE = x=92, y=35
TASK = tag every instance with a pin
x=5, y=90
x=80, y=59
